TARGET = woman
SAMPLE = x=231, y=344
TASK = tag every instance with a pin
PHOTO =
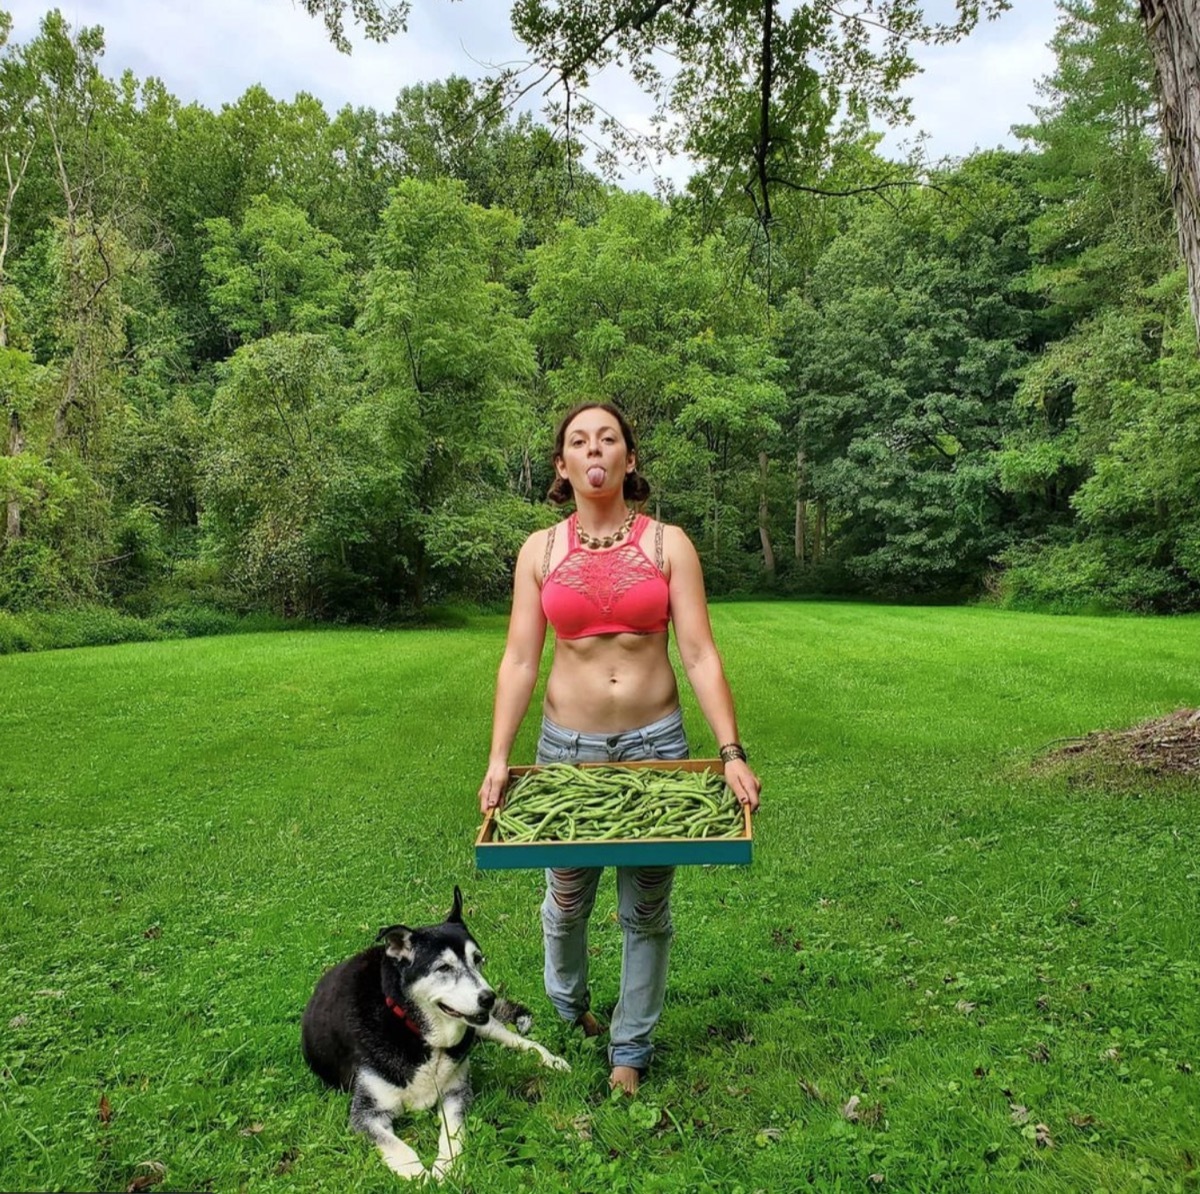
x=609, y=579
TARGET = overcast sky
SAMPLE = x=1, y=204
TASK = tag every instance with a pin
x=968, y=96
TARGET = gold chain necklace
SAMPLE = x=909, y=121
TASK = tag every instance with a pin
x=595, y=543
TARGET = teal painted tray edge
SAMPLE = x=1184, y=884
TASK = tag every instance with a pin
x=719, y=851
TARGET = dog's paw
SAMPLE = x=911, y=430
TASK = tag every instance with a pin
x=551, y=1062
x=442, y=1169
x=411, y=1170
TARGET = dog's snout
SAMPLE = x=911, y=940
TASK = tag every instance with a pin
x=487, y=1000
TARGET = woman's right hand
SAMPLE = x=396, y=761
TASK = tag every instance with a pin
x=491, y=791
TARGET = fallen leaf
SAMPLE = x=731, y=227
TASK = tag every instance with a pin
x=583, y=1126
x=153, y=933
x=850, y=1108
x=286, y=1161
x=51, y=993
x=18, y=1022
x=877, y=1178
x=105, y=1109
x=251, y=1130
x=1082, y=1121
x=1043, y=1003
x=965, y=1006
x=1113, y=1054
x=155, y=1172
x=1020, y=1113
x=812, y=1090
x=1043, y=1137
x=1040, y=1053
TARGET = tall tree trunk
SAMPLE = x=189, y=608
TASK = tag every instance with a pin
x=526, y=474
x=764, y=530
x=16, y=445
x=819, y=533
x=716, y=514
x=16, y=436
x=419, y=577
x=801, y=532
x=1173, y=27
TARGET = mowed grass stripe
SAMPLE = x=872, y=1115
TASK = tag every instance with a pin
x=193, y=830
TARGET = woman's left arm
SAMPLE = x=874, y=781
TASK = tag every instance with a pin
x=701, y=660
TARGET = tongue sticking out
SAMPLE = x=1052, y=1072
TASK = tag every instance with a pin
x=595, y=477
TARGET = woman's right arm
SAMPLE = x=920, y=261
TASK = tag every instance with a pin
x=518, y=672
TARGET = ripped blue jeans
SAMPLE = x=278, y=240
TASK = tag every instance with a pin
x=643, y=901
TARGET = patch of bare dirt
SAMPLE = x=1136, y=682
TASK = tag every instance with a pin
x=1167, y=745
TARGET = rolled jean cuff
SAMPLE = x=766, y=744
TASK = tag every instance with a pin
x=636, y=1057
x=570, y=1015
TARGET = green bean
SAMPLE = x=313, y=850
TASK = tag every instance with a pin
x=561, y=802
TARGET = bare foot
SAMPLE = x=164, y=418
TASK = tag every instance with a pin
x=624, y=1078
x=589, y=1024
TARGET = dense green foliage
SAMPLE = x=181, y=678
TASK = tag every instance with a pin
x=271, y=359
x=968, y=947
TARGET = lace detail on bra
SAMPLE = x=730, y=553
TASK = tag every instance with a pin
x=603, y=576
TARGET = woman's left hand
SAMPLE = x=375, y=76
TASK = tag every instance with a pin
x=744, y=783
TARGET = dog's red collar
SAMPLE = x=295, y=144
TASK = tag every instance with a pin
x=401, y=1015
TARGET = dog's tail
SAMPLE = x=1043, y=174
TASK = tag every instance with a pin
x=516, y=1014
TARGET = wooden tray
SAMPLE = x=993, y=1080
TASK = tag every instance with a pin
x=647, y=851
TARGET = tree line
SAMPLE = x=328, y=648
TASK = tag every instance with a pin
x=271, y=358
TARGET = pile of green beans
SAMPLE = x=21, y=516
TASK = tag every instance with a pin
x=563, y=803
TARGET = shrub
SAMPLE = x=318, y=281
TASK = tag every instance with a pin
x=1091, y=577
x=84, y=626
x=98, y=626
x=194, y=621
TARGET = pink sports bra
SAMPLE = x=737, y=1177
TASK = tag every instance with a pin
x=619, y=590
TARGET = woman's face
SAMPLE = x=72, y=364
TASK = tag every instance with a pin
x=594, y=457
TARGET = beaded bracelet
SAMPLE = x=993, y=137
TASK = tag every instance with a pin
x=731, y=751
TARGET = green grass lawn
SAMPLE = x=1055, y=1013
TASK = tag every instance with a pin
x=193, y=831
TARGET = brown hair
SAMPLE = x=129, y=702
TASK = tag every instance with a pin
x=636, y=487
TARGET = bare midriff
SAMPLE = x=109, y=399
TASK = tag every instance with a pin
x=608, y=683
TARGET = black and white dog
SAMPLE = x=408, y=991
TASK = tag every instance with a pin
x=395, y=1023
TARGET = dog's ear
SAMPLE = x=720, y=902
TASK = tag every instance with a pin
x=455, y=916
x=399, y=943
